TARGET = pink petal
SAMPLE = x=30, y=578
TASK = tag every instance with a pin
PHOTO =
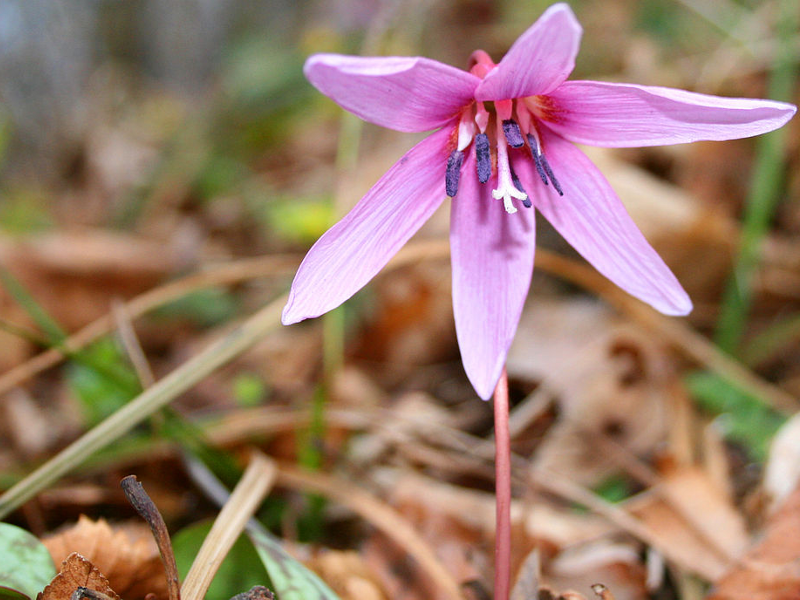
x=622, y=115
x=492, y=256
x=594, y=221
x=349, y=254
x=539, y=61
x=401, y=93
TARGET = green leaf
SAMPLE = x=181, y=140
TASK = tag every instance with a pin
x=102, y=380
x=249, y=389
x=25, y=564
x=35, y=311
x=613, y=489
x=9, y=594
x=300, y=220
x=744, y=418
x=290, y=579
x=240, y=571
x=205, y=308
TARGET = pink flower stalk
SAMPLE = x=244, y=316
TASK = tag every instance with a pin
x=504, y=149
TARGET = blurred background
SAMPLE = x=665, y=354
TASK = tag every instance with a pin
x=145, y=141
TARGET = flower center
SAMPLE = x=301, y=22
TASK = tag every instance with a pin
x=491, y=143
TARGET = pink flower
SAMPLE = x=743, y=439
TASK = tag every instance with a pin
x=504, y=149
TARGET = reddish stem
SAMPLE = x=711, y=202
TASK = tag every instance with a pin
x=502, y=466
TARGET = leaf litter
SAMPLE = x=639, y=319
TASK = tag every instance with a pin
x=620, y=477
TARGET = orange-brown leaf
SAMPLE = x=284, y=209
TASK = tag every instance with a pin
x=76, y=572
x=127, y=556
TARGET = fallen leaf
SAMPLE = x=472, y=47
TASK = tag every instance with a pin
x=609, y=380
x=127, y=556
x=707, y=509
x=76, y=572
x=675, y=538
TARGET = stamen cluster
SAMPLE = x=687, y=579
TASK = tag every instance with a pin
x=474, y=130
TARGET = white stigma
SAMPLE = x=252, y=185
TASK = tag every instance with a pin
x=506, y=193
x=505, y=185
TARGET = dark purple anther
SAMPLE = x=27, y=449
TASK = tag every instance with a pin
x=484, y=157
x=542, y=166
x=518, y=184
x=552, y=177
x=512, y=133
x=453, y=173
x=536, y=159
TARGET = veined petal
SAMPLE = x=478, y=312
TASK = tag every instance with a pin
x=594, y=221
x=492, y=256
x=621, y=115
x=351, y=252
x=539, y=61
x=401, y=93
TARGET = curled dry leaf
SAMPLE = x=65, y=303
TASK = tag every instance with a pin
x=610, y=380
x=75, y=572
x=127, y=555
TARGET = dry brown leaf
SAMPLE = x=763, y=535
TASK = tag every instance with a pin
x=771, y=569
x=127, y=556
x=76, y=572
x=707, y=509
x=75, y=275
x=675, y=538
x=609, y=378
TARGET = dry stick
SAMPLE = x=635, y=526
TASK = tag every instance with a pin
x=130, y=343
x=380, y=514
x=502, y=467
x=245, y=499
x=141, y=502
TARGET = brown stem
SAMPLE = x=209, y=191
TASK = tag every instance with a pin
x=146, y=508
x=502, y=465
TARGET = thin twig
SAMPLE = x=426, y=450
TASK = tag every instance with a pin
x=141, y=502
x=130, y=342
